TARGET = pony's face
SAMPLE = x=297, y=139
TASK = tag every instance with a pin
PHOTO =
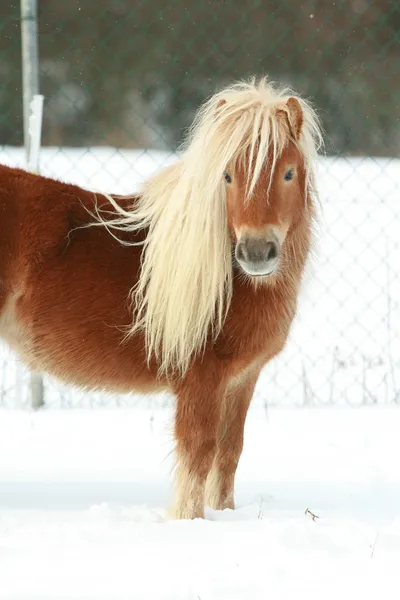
x=260, y=224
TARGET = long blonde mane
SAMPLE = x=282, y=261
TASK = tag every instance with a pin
x=185, y=284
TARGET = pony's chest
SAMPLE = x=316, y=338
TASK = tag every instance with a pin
x=256, y=330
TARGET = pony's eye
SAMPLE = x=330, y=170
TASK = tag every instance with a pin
x=289, y=175
x=228, y=178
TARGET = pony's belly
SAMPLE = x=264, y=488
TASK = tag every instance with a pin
x=94, y=367
x=97, y=380
x=92, y=361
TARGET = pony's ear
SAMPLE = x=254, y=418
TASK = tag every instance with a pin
x=294, y=114
x=220, y=103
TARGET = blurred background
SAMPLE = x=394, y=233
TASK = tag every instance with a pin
x=122, y=80
x=131, y=73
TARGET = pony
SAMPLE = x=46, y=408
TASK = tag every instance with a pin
x=189, y=286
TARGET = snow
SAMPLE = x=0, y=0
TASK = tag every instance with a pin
x=83, y=496
x=343, y=349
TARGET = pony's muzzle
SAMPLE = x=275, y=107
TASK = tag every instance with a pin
x=258, y=256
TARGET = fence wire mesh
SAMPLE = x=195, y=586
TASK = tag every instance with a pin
x=122, y=79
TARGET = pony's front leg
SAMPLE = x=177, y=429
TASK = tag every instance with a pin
x=221, y=478
x=199, y=400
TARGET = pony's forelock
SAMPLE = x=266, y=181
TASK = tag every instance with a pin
x=185, y=284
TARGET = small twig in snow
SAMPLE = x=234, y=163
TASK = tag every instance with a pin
x=373, y=547
x=261, y=510
x=312, y=515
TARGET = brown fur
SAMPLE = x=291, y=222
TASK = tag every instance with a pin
x=64, y=306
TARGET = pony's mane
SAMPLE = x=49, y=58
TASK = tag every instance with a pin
x=185, y=284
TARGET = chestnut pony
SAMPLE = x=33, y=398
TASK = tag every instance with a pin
x=189, y=286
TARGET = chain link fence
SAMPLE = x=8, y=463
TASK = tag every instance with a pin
x=122, y=80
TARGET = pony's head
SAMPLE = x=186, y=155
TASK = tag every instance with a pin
x=262, y=210
x=232, y=202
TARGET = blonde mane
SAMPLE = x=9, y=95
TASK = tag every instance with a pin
x=185, y=284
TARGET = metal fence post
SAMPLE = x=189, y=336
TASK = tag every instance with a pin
x=30, y=61
x=30, y=86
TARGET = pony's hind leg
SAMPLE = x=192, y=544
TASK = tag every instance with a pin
x=196, y=430
x=221, y=478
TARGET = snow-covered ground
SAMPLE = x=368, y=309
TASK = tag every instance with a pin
x=345, y=345
x=83, y=495
x=83, y=492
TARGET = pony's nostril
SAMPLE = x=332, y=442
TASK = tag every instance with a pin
x=271, y=251
x=241, y=253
